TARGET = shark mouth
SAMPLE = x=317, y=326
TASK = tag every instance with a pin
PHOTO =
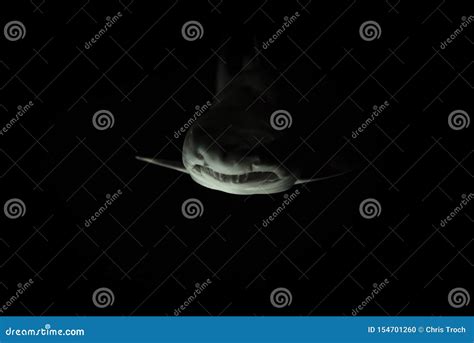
x=250, y=177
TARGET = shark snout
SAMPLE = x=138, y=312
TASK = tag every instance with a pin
x=235, y=160
x=224, y=151
x=227, y=159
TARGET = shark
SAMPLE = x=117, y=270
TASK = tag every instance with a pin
x=230, y=148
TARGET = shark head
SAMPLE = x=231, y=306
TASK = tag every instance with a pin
x=231, y=152
x=231, y=147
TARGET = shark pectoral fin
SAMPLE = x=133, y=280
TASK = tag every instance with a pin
x=300, y=181
x=175, y=165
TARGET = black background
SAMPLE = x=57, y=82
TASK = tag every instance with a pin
x=150, y=78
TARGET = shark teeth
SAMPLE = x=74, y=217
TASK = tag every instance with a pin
x=260, y=176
